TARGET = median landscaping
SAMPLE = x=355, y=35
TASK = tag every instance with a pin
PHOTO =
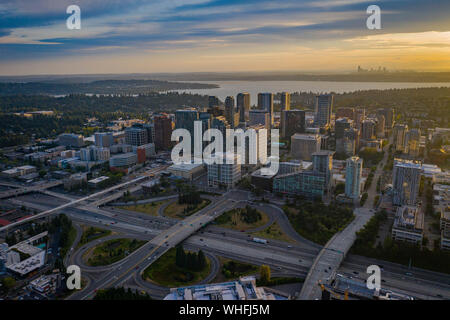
x=242, y=219
x=148, y=208
x=92, y=233
x=316, y=221
x=111, y=251
x=177, y=268
x=273, y=232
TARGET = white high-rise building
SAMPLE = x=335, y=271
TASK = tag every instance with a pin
x=406, y=180
x=353, y=175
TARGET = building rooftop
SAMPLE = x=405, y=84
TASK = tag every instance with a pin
x=184, y=166
x=409, y=217
x=243, y=289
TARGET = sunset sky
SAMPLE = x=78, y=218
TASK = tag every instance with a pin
x=130, y=36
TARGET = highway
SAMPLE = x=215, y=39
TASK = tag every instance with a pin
x=90, y=197
x=333, y=253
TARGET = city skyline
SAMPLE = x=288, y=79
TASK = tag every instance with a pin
x=207, y=36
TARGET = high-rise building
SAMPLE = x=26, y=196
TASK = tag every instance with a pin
x=136, y=135
x=399, y=134
x=150, y=127
x=231, y=113
x=213, y=101
x=368, y=129
x=243, y=105
x=259, y=117
x=304, y=145
x=265, y=102
x=163, y=131
x=360, y=115
x=292, y=121
x=285, y=101
x=350, y=142
x=353, y=173
x=381, y=125
x=323, y=110
x=184, y=119
x=323, y=163
x=341, y=125
x=104, y=139
x=412, y=142
x=388, y=114
x=406, y=180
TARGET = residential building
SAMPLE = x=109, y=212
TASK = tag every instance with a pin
x=353, y=173
x=399, y=133
x=406, y=179
x=323, y=110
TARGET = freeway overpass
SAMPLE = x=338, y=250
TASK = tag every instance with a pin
x=79, y=201
x=24, y=190
x=156, y=247
x=332, y=255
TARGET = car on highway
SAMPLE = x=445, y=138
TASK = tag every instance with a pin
x=409, y=274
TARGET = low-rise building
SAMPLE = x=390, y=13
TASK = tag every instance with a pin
x=408, y=225
x=94, y=183
x=188, y=171
x=123, y=160
x=243, y=289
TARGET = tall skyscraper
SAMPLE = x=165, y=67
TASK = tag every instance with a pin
x=360, y=115
x=304, y=145
x=292, y=121
x=243, y=105
x=388, y=114
x=341, y=125
x=399, y=133
x=368, y=129
x=285, y=101
x=323, y=110
x=353, y=173
x=163, y=131
x=231, y=113
x=265, y=102
x=323, y=163
x=381, y=125
x=406, y=180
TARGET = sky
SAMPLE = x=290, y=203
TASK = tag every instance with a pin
x=145, y=36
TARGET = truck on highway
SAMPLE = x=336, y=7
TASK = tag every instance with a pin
x=258, y=240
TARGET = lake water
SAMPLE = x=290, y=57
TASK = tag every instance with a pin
x=232, y=88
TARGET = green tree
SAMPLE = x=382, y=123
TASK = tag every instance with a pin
x=264, y=274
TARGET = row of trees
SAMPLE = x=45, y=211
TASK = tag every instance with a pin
x=193, y=261
x=120, y=294
x=188, y=195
